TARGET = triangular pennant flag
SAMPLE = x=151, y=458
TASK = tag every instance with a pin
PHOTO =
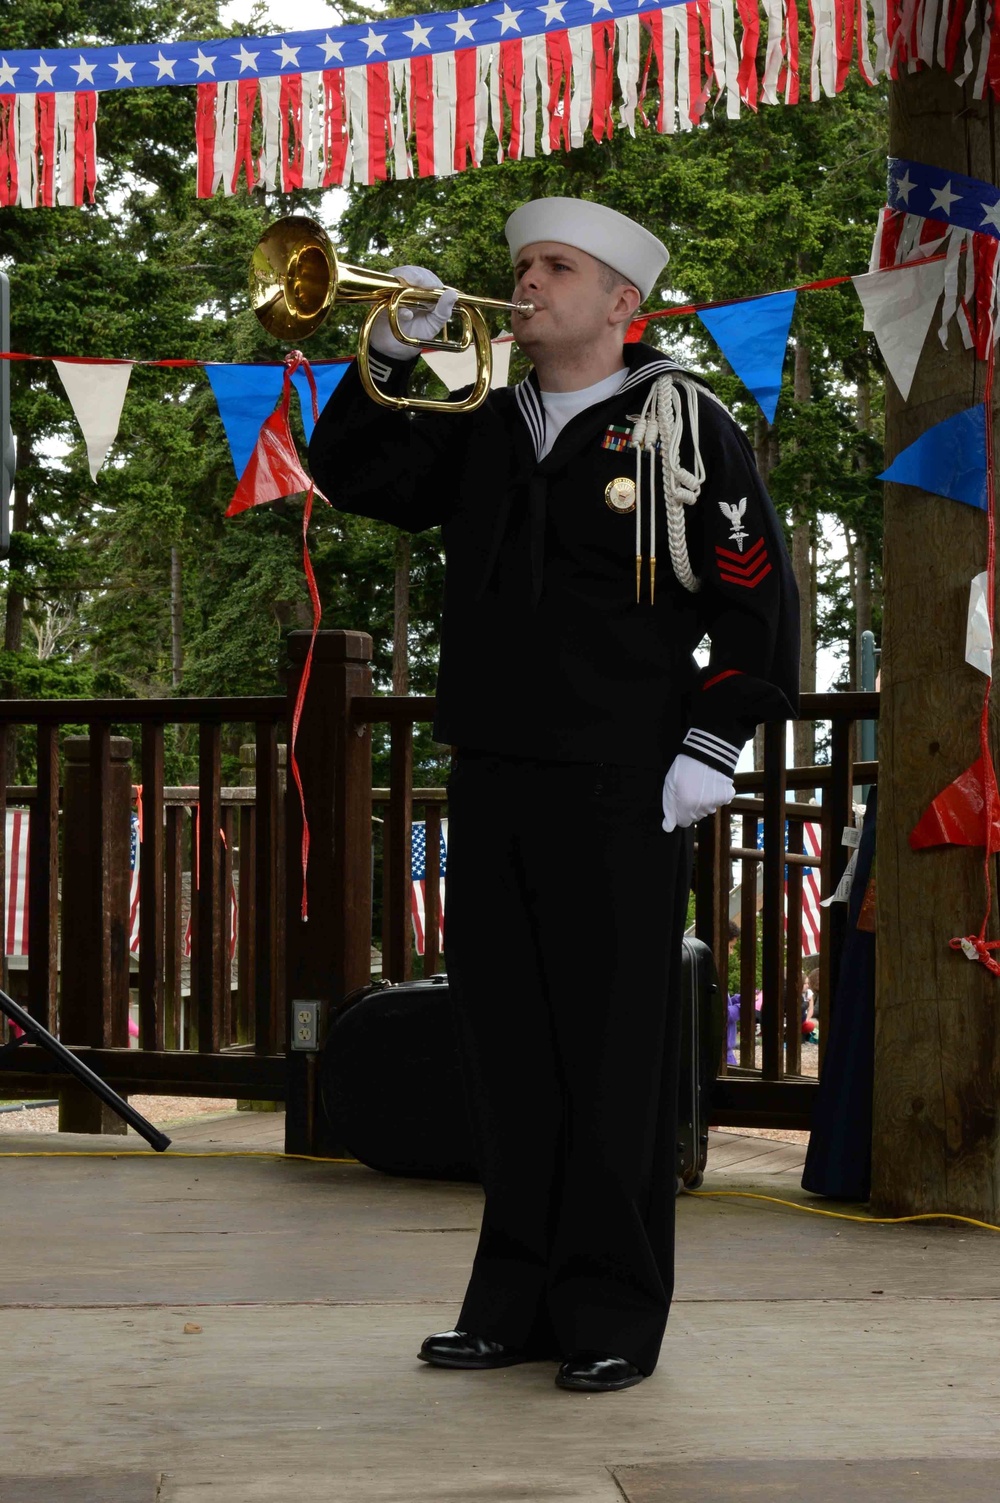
x=458, y=368
x=958, y=815
x=899, y=306
x=978, y=631
x=245, y=395
x=97, y=396
x=273, y=469
x=327, y=378
x=949, y=459
x=753, y=336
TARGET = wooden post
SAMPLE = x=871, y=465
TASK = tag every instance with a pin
x=397, y=950
x=773, y=888
x=43, y=884
x=206, y=956
x=152, y=952
x=97, y=809
x=328, y=955
x=712, y=882
x=173, y=908
x=936, y=1128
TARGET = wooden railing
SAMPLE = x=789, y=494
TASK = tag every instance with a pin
x=326, y=953
x=78, y=981
x=770, y=1091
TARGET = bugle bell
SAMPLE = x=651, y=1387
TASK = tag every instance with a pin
x=296, y=277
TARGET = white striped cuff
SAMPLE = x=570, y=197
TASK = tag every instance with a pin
x=711, y=748
x=379, y=370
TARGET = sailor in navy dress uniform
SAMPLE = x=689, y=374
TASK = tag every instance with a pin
x=598, y=520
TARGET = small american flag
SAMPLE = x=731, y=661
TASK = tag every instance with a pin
x=418, y=875
x=134, y=853
x=812, y=841
x=16, y=896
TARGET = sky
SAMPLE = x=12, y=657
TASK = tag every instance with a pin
x=288, y=15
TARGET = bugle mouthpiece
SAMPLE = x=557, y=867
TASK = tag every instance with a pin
x=524, y=309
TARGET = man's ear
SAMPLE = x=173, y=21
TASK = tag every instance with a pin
x=626, y=304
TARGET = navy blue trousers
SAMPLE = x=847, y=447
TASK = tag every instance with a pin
x=566, y=909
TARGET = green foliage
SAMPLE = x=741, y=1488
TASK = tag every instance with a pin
x=746, y=207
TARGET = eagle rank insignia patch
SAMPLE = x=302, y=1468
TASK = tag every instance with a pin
x=734, y=515
x=620, y=495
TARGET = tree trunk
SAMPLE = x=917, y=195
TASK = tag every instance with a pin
x=936, y=1131
x=854, y=645
x=401, y=617
x=13, y=630
x=176, y=621
x=862, y=593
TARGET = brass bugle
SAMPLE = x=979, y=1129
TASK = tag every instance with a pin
x=296, y=277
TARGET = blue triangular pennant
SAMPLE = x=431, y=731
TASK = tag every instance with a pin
x=949, y=459
x=753, y=336
x=327, y=378
x=246, y=397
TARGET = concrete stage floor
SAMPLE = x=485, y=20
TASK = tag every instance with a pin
x=806, y=1359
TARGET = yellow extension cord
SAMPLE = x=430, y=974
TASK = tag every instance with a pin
x=309, y=1158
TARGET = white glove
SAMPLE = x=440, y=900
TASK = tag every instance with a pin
x=691, y=790
x=422, y=321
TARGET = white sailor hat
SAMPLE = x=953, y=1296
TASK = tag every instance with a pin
x=602, y=232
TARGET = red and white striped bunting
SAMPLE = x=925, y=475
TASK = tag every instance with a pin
x=48, y=149
x=423, y=96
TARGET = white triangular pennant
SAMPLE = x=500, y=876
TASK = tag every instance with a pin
x=97, y=395
x=899, y=306
x=459, y=369
x=978, y=636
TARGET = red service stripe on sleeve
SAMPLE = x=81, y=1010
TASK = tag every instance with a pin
x=741, y=579
x=740, y=558
x=726, y=673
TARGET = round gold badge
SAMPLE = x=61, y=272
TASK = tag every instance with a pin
x=620, y=495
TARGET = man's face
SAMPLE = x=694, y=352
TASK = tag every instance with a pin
x=574, y=308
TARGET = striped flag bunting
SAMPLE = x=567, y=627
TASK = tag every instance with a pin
x=930, y=212
x=417, y=96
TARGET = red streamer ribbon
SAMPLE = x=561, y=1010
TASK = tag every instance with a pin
x=274, y=471
x=977, y=946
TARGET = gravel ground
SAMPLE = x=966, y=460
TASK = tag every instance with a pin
x=161, y=1111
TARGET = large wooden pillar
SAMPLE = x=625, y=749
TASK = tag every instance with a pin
x=936, y=1137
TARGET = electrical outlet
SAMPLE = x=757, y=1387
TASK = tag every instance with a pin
x=305, y=1026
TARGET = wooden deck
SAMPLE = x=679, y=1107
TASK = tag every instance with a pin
x=806, y=1359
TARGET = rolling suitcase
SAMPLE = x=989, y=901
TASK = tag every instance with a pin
x=391, y=1085
x=703, y=1031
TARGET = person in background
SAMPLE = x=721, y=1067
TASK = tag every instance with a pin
x=810, y=1008
x=732, y=1026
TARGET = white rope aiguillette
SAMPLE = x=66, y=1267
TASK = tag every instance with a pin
x=661, y=422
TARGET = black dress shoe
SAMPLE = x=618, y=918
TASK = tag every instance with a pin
x=459, y=1349
x=594, y=1372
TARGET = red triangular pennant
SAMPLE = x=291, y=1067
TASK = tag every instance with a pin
x=273, y=470
x=958, y=815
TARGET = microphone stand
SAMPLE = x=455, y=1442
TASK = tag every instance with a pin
x=33, y=1032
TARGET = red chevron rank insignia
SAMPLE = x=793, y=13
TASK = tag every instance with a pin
x=746, y=569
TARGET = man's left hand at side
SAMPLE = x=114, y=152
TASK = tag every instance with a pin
x=691, y=790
